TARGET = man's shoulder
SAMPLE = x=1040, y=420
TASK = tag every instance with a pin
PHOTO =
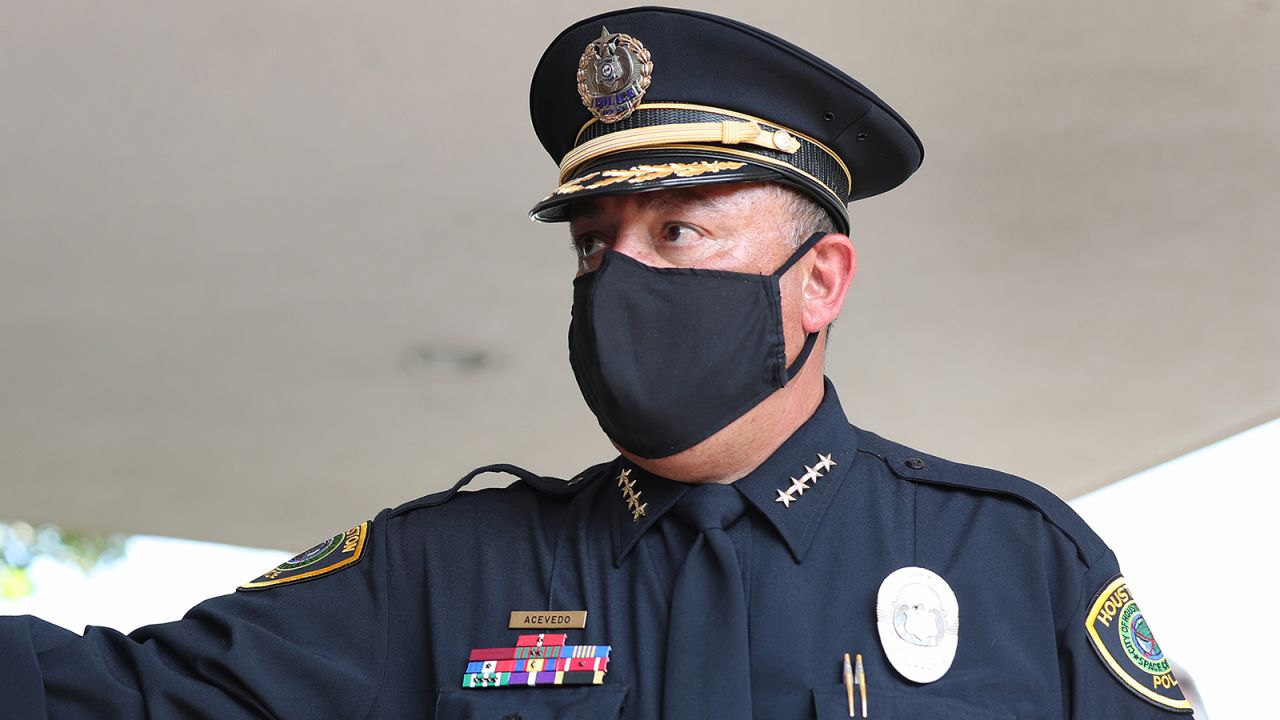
x=527, y=486
x=982, y=484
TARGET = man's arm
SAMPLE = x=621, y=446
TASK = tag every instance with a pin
x=312, y=645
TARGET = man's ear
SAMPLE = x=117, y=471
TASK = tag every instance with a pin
x=828, y=280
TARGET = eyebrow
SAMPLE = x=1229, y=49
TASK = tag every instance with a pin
x=665, y=200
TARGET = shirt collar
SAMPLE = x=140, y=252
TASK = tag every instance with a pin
x=792, y=488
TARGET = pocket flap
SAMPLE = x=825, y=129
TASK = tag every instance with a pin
x=832, y=702
x=596, y=702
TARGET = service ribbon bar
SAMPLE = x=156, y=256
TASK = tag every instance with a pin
x=561, y=664
x=522, y=653
x=537, y=660
x=476, y=680
x=541, y=640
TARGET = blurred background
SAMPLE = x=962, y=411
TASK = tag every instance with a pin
x=265, y=268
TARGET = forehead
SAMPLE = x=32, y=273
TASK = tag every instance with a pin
x=720, y=198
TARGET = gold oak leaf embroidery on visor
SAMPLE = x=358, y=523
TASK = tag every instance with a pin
x=644, y=173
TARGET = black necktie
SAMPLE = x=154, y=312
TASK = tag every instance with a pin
x=708, y=670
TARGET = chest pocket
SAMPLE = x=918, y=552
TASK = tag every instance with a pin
x=832, y=703
x=602, y=702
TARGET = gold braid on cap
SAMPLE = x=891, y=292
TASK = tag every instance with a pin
x=728, y=132
x=681, y=126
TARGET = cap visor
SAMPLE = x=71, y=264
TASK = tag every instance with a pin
x=647, y=171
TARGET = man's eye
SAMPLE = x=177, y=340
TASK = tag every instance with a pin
x=680, y=235
x=587, y=245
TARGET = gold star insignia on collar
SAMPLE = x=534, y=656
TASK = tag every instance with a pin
x=629, y=494
x=798, y=486
x=825, y=462
x=808, y=479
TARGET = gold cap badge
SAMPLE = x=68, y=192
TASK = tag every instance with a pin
x=613, y=74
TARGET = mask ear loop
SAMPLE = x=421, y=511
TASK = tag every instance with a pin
x=812, y=338
x=800, y=252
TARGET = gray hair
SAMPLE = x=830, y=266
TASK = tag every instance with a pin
x=804, y=213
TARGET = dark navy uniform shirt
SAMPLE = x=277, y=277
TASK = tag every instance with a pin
x=387, y=632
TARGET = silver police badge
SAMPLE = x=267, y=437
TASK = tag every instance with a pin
x=613, y=74
x=918, y=620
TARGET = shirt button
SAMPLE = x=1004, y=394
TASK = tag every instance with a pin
x=914, y=463
x=512, y=716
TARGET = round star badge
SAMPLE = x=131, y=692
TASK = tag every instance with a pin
x=918, y=619
x=613, y=74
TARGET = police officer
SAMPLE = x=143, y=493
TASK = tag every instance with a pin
x=750, y=553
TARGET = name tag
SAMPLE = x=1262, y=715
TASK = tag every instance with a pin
x=557, y=619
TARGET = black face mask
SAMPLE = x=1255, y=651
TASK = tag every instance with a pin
x=666, y=357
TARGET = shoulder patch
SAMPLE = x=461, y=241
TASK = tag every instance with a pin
x=1125, y=644
x=340, y=551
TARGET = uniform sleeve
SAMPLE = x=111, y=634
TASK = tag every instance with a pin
x=310, y=647
x=1112, y=665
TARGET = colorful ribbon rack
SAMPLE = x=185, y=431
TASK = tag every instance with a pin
x=537, y=660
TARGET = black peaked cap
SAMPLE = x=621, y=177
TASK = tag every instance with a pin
x=809, y=124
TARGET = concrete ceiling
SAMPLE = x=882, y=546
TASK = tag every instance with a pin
x=265, y=267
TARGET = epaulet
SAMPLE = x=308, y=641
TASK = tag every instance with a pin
x=915, y=466
x=546, y=485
